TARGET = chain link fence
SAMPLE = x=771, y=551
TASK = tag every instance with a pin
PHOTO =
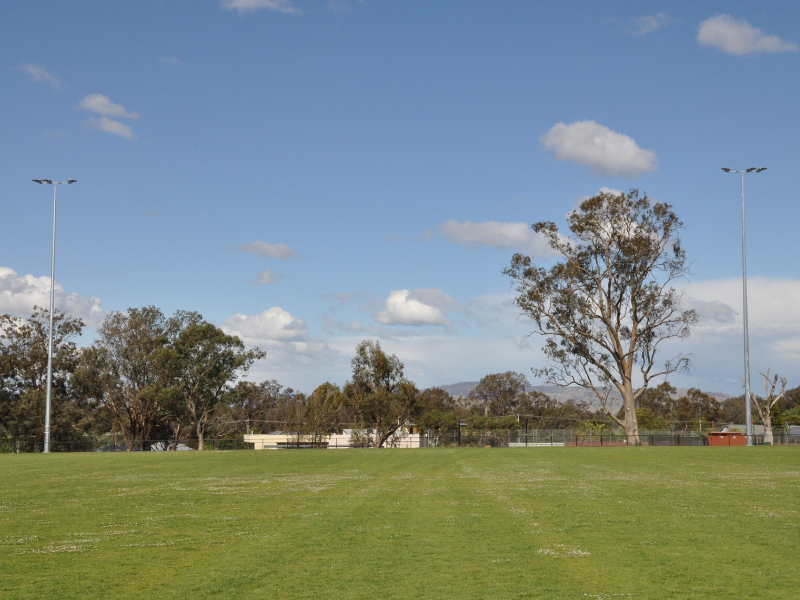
x=456, y=438
x=557, y=437
x=19, y=446
x=572, y=437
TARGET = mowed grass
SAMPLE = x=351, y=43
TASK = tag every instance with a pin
x=433, y=523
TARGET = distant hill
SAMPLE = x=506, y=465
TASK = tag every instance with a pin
x=562, y=394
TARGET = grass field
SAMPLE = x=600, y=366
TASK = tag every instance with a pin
x=439, y=523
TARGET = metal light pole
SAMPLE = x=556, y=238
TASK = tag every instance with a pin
x=55, y=185
x=747, y=406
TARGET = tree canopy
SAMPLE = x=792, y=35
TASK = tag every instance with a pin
x=607, y=306
x=384, y=399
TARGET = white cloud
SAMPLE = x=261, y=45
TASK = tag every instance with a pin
x=19, y=294
x=265, y=277
x=603, y=151
x=418, y=307
x=38, y=73
x=243, y=6
x=102, y=105
x=496, y=235
x=111, y=126
x=442, y=359
x=279, y=250
x=737, y=36
x=648, y=23
x=286, y=339
x=772, y=303
x=717, y=340
x=171, y=60
x=497, y=342
x=714, y=310
x=271, y=326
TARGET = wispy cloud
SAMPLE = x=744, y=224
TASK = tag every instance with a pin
x=38, y=73
x=102, y=105
x=338, y=7
x=111, y=126
x=493, y=234
x=600, y=149
x=243, y=6
x=649, y=23
x=713, y=310
x=737, y=36
x=171, y=60
x=279, y=250
x=265, y=277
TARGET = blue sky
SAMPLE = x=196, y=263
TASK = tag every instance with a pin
x=308, y=174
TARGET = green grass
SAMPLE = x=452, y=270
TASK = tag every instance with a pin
x=439, y=523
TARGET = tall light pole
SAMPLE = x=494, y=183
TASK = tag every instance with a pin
x=55, y=185
x=747, y=408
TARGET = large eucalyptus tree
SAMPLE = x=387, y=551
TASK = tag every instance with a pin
x=608, y=305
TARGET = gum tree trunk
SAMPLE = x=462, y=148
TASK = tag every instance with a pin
x=768, y=429
x=201, y=440
x=631, y=422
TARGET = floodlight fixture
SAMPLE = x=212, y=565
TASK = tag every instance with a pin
x=71, y=180
x=726, y=169
x=761, y=169
x=47, y=181
x=751, y=169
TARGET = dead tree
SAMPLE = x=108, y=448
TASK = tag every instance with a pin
x=764, y=406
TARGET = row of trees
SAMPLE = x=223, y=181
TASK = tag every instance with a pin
x=661, y=408
x=146, y=376
x=149, y=377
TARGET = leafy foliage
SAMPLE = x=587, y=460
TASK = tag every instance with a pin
x=605, y=309
x=382, y=396
x=500, y=394
x=23, y=377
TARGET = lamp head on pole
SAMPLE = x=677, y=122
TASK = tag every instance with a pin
x=759, y=169
x=726, y=169
x=39, y=181
x=47, y=181
x=750, y=170
x=71, y=180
